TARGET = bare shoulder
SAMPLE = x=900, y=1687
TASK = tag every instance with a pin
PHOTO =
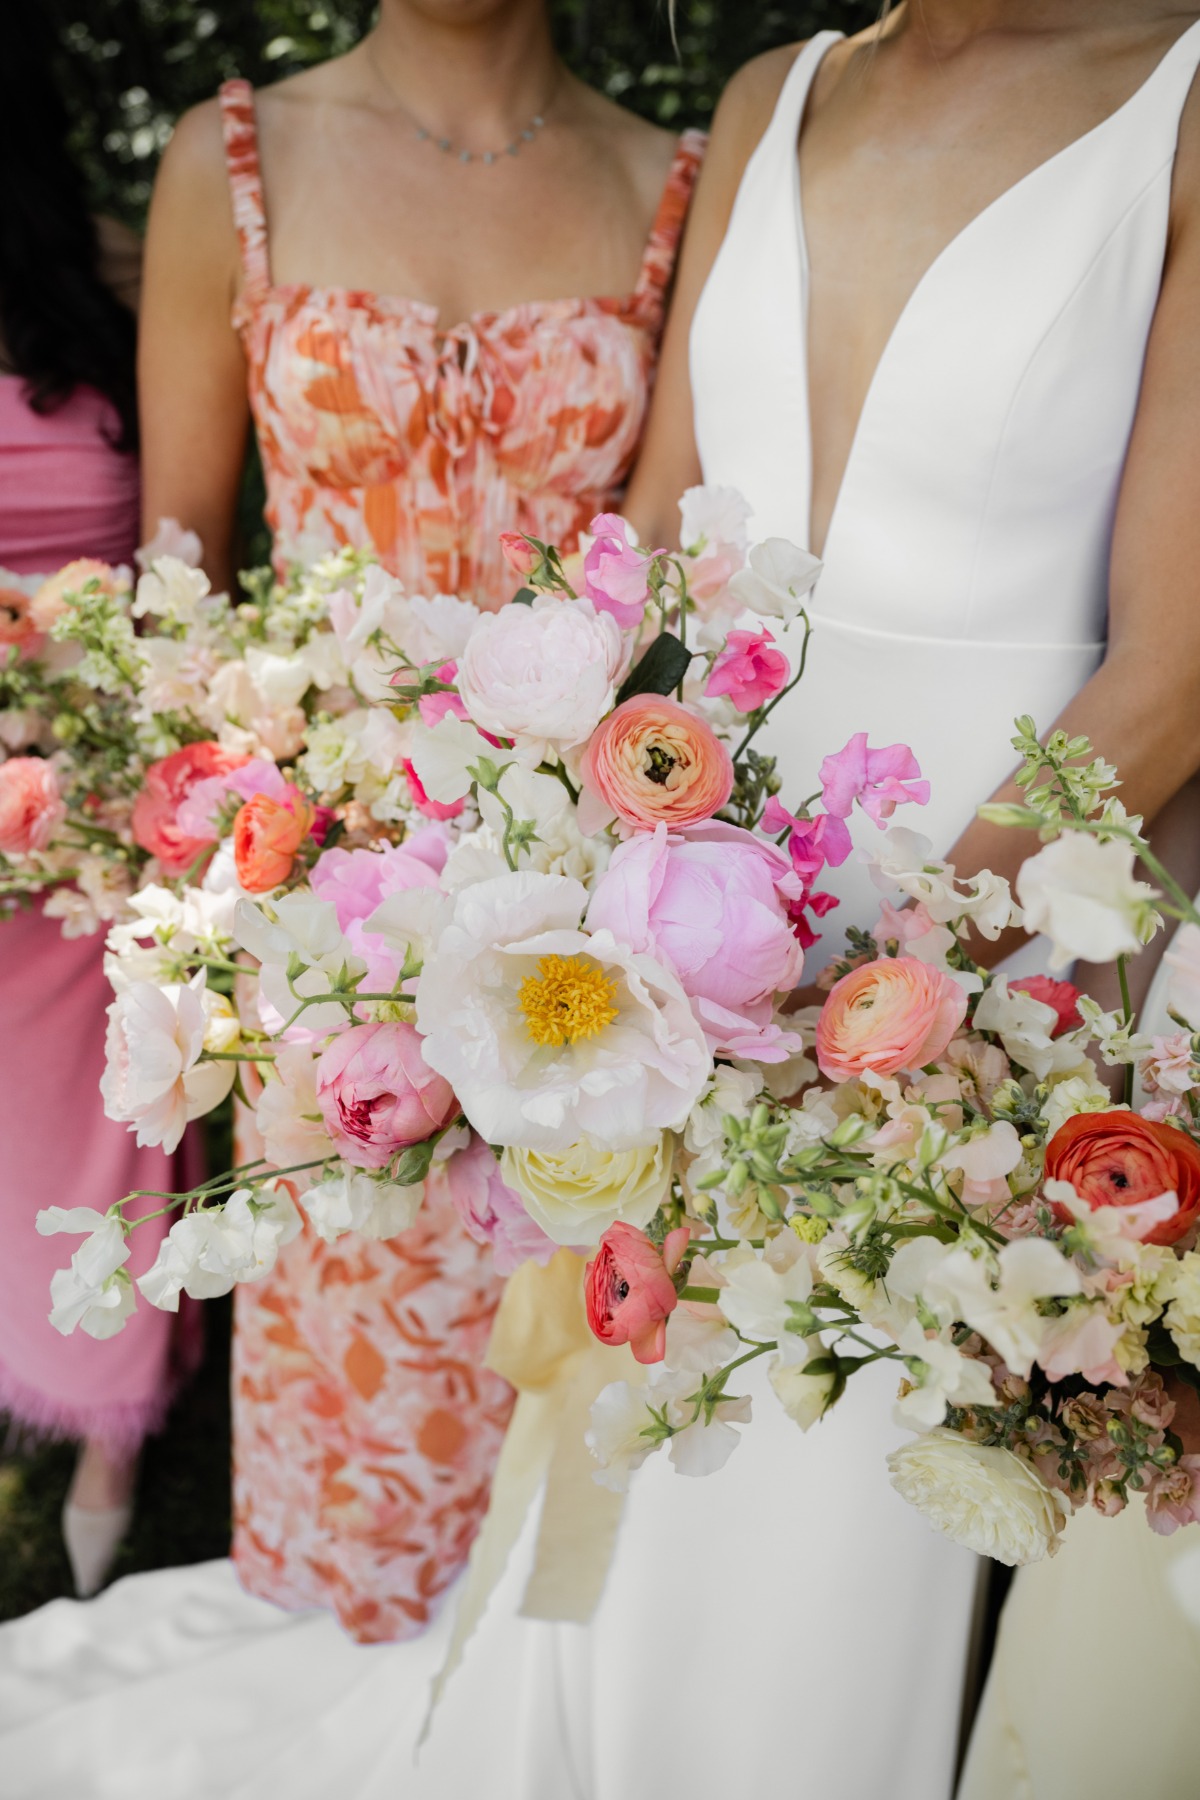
x=642, y=152
x=120, y=266
x=193, y=163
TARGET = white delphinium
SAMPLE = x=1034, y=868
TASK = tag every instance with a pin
x=154, y=1079
x=93, y=1294
x=1083, y=895
x=980, y=1495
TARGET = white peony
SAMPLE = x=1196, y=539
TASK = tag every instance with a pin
x=577, y=1193
x=153, y=1078
x=982, y=1496
x=549, y=1035
x=1025, y=1027
x=1083, y=895
x=94, y=1293
x=544, y=673
x=354, y=1201
x=776, y=579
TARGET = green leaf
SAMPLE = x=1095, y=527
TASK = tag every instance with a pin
x=659, y=671
x=412, y=1165
x=524, y=597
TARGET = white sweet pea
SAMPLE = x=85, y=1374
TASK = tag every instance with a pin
x=445, y=754
x=1112, y=1233
x=985, y=1159
x=93, y=1294
x=353, y=1201
x=205, y=1253
x=1004, y=1311
x=250, y=719
x=698, y=1343
x=941, y=1376
x=713, y=518
x=905, y=860
x=702, y=1446
x=301, y=926
x=153, y=1078
x=1083, y=895
x=170, y=539
x=619, y=1418
x=1025, y=1027
x=804, y=1397
x=287, y=1116
x=170, y=589
x=776, y=579
x=757, y=1295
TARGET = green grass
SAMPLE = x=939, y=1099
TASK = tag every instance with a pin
x=183, y=1495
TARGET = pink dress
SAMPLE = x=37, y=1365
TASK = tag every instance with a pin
x=365, y=1428
x=65, y=492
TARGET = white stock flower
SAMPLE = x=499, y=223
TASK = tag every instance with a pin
x=1025, y=1027
x=545, y=673
x=170, y=589
x=1004, y=1311
x=1083, y=895
x=941, y=1376
x=982, y=1496
x=549, y=1035
x=93, y=1294
x=577, y=1193
x=1183, y=1314
x=758, y=1293
x=353, y=1201
x=1074, y=1094
x=205, y=1253
x=153, y=1078
x=776, y=578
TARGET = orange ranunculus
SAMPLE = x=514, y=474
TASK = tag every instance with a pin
x=1121, y=1159
x=266, y=836
x=891, y=1014
x=654, y=762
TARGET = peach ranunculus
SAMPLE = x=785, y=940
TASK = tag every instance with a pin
x=18, y=628
x=891, y=1014
x=266, y=836
x=630, y=1290
x=31, y=804
x=168, y=783
x=1119, y=1159
x=654, y=762
x=50, y=601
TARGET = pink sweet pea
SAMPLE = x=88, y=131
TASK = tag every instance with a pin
x=432, y=809
x=813, y=842
x=811, y=901
x=880, y=780
x=615, y=572
x=378, y=1095
x=489, y=1209
x=630, y=1289
x=749, y=669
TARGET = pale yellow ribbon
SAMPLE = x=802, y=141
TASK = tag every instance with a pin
x=541, y=1344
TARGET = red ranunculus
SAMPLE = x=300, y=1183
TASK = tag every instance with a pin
x=629, y=1289
x=1121, y=1159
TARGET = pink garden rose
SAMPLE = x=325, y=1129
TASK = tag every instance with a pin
x=267, y=834
x=490, y=1210
x=377, y=1095
x=891, y=1014
x=880, y=780
x=630, y=1291
x=1063, y=996
x=167, y=785
x=519, y=553
x=750, y=670
x=653, y=762
x=615, y=572
x=31, y=805
x=712, y=903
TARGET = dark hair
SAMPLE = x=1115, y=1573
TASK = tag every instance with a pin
x=60, y=326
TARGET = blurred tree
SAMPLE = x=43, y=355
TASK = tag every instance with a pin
x=130, y=67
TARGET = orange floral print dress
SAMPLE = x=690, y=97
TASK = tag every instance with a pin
x=366, y=1429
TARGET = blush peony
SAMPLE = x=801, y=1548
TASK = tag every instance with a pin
x=653, y=762
x=545, y=673
x=1119, y=1159
x=892, y=1014
x=490, y=1210
x=378, y=1095
x=31, y=805
x=630, y=1291
x=167, y=785
x=267, y=834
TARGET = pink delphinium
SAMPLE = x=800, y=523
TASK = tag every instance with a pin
x=750, y=670
x=377, y=1095
x=490, y=1210
x=879, y=780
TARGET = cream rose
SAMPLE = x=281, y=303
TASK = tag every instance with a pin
x=576, y=1194
x=980, y=1495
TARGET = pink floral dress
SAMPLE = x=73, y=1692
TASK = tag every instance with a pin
x=366, y=1429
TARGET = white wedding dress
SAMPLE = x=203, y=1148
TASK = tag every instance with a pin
x=787, y=1626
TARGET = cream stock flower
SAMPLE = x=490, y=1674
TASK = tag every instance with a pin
x=577, y=1193
x=982, y=1496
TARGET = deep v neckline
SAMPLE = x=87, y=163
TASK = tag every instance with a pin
x=973, y=225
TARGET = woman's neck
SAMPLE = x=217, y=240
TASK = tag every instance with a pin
x=944, y=26
x=479, y=79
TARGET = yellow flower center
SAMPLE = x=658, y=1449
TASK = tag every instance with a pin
x=569, y=998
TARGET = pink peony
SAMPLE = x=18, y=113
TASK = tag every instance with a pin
x=891, y=1014
x=630, y=1291
x=712, y=903
x=880, y=780
x=489, y=1209
x=749, y=669
x=615, y=572
x=167, y=785
x=31, y=805
x=1063, y=996
x=377, y=1094
x=652, y=761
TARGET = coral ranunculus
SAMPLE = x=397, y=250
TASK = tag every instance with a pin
x=1120, y=1159
x=18, y=628
x=892, y=1014
x=629, y=1289
x=654, y=762
x=168, y=783
x=266, y=836
x=31, y=805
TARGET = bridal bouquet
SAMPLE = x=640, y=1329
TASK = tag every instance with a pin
x=960, y=1196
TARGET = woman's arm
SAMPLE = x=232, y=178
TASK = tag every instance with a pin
x=191, y=371
x=668, y=462
x=1141, y=709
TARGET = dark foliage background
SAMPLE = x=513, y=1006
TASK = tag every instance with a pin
x=130, y=67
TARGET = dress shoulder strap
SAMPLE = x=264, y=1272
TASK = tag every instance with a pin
x=662, y=246
x=245, y=183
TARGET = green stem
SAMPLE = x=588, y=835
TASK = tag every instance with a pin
x=1127, y=1010
x=237, y=1056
